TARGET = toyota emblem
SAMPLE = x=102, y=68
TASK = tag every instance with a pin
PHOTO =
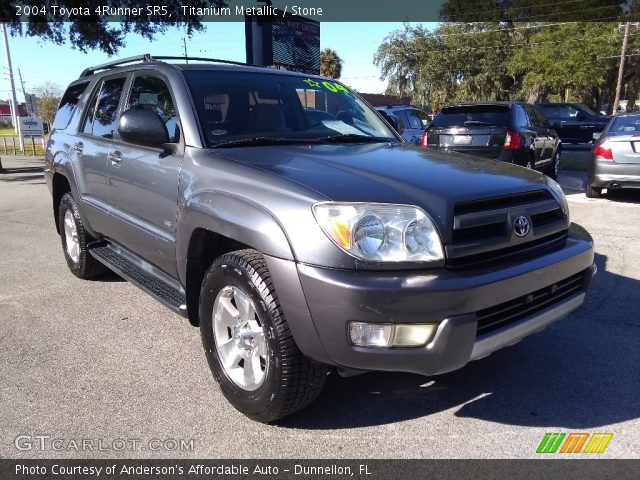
x=521, y=226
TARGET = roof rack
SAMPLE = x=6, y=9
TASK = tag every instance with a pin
x=116, y=63
x=148, y=58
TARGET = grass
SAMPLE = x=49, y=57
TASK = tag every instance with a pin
x=7, y=131
x=11, y=148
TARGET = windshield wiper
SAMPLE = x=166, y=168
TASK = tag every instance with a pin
x=354, y=138
x=258, y=141
x=478, y=122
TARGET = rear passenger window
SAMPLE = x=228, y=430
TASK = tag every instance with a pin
x=152, y=93
x=101, y=120
x=540, y=118
x=68, y=105
x=418, y=119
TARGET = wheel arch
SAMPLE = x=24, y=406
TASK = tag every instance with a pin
x=214, y=223
x=60, y=185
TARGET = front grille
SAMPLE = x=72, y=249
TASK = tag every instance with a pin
x=506, y=313
x=503, y=201
x=483, y=229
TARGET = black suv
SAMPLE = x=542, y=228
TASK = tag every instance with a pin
x=410, y=122
x=574, y=122
x=512, y=132
x=284, y=217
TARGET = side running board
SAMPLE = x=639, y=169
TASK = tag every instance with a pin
x=142, y=275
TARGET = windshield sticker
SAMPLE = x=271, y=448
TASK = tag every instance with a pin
x=331, y=86
x=341, y=127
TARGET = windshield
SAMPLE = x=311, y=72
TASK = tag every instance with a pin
x=235, y=108
x=587, y=110
x=473, y=115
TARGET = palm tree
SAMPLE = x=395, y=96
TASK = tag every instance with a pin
x=330, y=63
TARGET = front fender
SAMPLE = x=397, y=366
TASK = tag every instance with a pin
x=233, y=217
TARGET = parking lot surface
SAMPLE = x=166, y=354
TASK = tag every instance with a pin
x=102, y=361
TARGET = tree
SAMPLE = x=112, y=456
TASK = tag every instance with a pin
x=49, y=95
x=330, y=63
x=86, y=30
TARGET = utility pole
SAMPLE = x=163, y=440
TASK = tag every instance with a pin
x=16, y=118
x=623, y=54
x=184, y=46
x=24, y=92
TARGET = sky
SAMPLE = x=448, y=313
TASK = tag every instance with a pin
x=40, y=61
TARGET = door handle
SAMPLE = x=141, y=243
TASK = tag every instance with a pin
x=115, y=157
x=78, y=147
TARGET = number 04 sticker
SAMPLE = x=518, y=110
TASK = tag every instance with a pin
x=331, y=86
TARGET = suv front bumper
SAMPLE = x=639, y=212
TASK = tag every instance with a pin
x=452, y=299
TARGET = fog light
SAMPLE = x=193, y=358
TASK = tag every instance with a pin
x=413, y=335
x=388, y=335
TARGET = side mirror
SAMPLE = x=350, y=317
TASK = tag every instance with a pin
x=143, y=127
x=595, y=136
x=580, y=116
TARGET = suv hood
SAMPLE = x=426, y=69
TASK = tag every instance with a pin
x=389, y=173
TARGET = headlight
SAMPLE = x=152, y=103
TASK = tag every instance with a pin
x=380, y=231
x=559, y=194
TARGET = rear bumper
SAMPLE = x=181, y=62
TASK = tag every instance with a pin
x=605, y=173
x=451, y=299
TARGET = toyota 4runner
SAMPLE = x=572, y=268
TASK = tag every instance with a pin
x=283, y=215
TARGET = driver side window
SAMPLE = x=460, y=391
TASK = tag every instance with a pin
x=152, y=93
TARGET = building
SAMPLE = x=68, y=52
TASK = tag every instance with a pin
x=5, y=112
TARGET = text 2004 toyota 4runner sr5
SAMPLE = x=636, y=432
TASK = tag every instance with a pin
x=282, y=215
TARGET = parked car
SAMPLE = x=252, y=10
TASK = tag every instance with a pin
x=512, y=132
x=410, y=122
x=574, y=122
x=300, y=247
x=615, y=159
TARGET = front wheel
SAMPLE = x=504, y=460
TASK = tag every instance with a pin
x=247, y=341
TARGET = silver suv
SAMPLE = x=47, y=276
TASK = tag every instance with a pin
x=284, y=216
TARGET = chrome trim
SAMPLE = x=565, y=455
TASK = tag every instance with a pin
x=514, y=333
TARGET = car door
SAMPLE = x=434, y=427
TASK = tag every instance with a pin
x=91, y=149
x=569, y=124
x=143, y=181
x=539, y=134
x=546, y=134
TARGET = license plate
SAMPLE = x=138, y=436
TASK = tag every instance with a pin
x=462, y=139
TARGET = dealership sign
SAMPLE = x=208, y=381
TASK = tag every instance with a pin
x=31, y=127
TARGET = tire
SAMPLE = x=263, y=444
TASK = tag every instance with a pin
x=79, y=260
x=593, y=192
x=553, y=170
x=281, y=379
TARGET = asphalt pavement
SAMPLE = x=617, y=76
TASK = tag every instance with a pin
x=102, y=361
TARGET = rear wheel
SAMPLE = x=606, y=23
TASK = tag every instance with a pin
x=554, y=169
x=75, y=239
x=247, y=341
x=593, y=192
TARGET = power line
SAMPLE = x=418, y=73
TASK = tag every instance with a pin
x=528, y=7
x=508, y=29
